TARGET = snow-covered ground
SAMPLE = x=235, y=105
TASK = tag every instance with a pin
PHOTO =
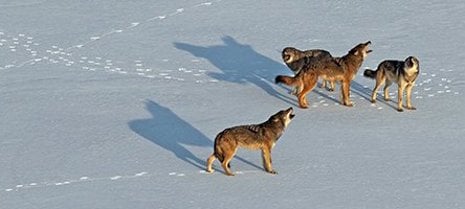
x=115, y=104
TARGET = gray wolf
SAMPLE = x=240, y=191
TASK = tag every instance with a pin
x=261, y=136
x=344, y=70
x=404, y=73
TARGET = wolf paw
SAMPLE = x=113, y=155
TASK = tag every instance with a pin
x=349, y=104
x=272, y=172
x=400, y=110
x=411, y=108
x=303, y=106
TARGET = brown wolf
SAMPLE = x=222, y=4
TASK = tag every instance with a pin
x=344, y=70
x=404, y=73
x=258, y=136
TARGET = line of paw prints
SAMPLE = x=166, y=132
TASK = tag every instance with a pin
x=136, y=24
x=435, y=84
x=25, y=48
x=138, y=68
x=87, y=179
x=83, y=179
x=21, y=45
x=16, y=46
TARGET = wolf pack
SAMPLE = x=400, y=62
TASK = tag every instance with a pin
x=309, y=66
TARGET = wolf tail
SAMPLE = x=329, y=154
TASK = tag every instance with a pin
x=288, y=80
x=370, y=73
x=217, y=151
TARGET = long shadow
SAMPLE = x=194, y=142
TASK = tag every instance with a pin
x=172, y=133
x=239, y=63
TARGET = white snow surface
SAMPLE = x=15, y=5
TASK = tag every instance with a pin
x=115, y=104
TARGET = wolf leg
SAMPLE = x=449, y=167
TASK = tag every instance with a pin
x=228, y=156
x=386, y=91
x=266, y=155
x=307, y=87
x=378, y=84
x=400, y=94
x=332, y=85
x=409, y=97
x=210, y=162
x=323, y=83
x=346, y=93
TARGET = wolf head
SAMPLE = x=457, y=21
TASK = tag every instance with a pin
x=411, y=65
x=289, y=54
x=361, y=49
x=283, y=117
x=411, y=61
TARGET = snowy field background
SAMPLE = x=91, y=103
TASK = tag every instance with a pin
x=115, y=104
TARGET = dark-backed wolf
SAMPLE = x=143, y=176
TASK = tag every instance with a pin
x=344, y=70
x=404, y=73
x=258, y=136
x=297, y=59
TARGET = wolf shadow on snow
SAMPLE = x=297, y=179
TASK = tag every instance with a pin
x=172, y=133
x=240, y=63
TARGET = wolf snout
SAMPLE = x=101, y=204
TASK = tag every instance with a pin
x=291, y=112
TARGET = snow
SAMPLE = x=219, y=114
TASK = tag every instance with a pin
x=115, y=104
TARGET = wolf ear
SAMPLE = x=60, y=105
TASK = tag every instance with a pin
x=354, y=51
x=410, y=61
x=275, y=118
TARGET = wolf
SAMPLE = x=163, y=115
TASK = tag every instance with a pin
x=261, y=136
x=297, y=59
x=404, y=73
x=344, y=70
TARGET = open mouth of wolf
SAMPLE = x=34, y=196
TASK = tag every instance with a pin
x=366, y=47
x=291, y=113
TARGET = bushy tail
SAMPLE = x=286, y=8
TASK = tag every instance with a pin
x=288, y=80
x=370, y=73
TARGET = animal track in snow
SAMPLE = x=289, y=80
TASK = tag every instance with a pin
x=88, y=180
x=136, y=24
x=17, y=50
x=57, y=55
x=177, y=174
x=64, y=56
x=83, y=179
